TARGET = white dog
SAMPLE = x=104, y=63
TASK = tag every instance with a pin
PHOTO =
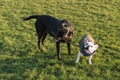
x=87, y=48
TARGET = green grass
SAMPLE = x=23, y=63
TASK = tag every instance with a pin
x=20, y=58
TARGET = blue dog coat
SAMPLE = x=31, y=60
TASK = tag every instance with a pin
x=81, y=44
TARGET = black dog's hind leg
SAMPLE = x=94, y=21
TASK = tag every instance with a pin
x=39, y=30
x=58, y=50
x=68, y=46
x=39, y=37
x=43, y=37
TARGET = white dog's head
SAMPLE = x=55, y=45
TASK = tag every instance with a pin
x=90, y=46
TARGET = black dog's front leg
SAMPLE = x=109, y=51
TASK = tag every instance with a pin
x=58, y=50
x=68, y=46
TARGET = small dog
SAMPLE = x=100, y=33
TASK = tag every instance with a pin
x=87, y=48
x=60, y=30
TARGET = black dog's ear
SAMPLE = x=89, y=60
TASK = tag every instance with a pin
x=65, y=23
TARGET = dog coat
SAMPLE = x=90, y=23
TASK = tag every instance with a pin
x=81, y=44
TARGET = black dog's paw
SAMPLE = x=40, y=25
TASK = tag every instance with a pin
x=41, y=50
x=59, y=58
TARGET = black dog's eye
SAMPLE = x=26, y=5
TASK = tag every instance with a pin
x=65, y=25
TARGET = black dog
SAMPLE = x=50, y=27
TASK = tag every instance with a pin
x=60, y=30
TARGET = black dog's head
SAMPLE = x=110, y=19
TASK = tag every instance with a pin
x=65, y=31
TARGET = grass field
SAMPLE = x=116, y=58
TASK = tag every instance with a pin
x=20, y=58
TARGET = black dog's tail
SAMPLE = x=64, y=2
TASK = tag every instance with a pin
x=30, y=17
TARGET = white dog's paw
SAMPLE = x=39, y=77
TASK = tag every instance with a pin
x=76, y=61
x=89, y=62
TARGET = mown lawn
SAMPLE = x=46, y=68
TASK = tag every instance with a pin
x=20, y=58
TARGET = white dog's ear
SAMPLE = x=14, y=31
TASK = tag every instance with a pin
x=96, y=46
x=86, y=40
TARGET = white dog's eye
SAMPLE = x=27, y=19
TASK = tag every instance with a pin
x=86, y=45
x=91, y=46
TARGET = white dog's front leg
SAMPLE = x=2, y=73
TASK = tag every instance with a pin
x=89, y=61
x=78, y=57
